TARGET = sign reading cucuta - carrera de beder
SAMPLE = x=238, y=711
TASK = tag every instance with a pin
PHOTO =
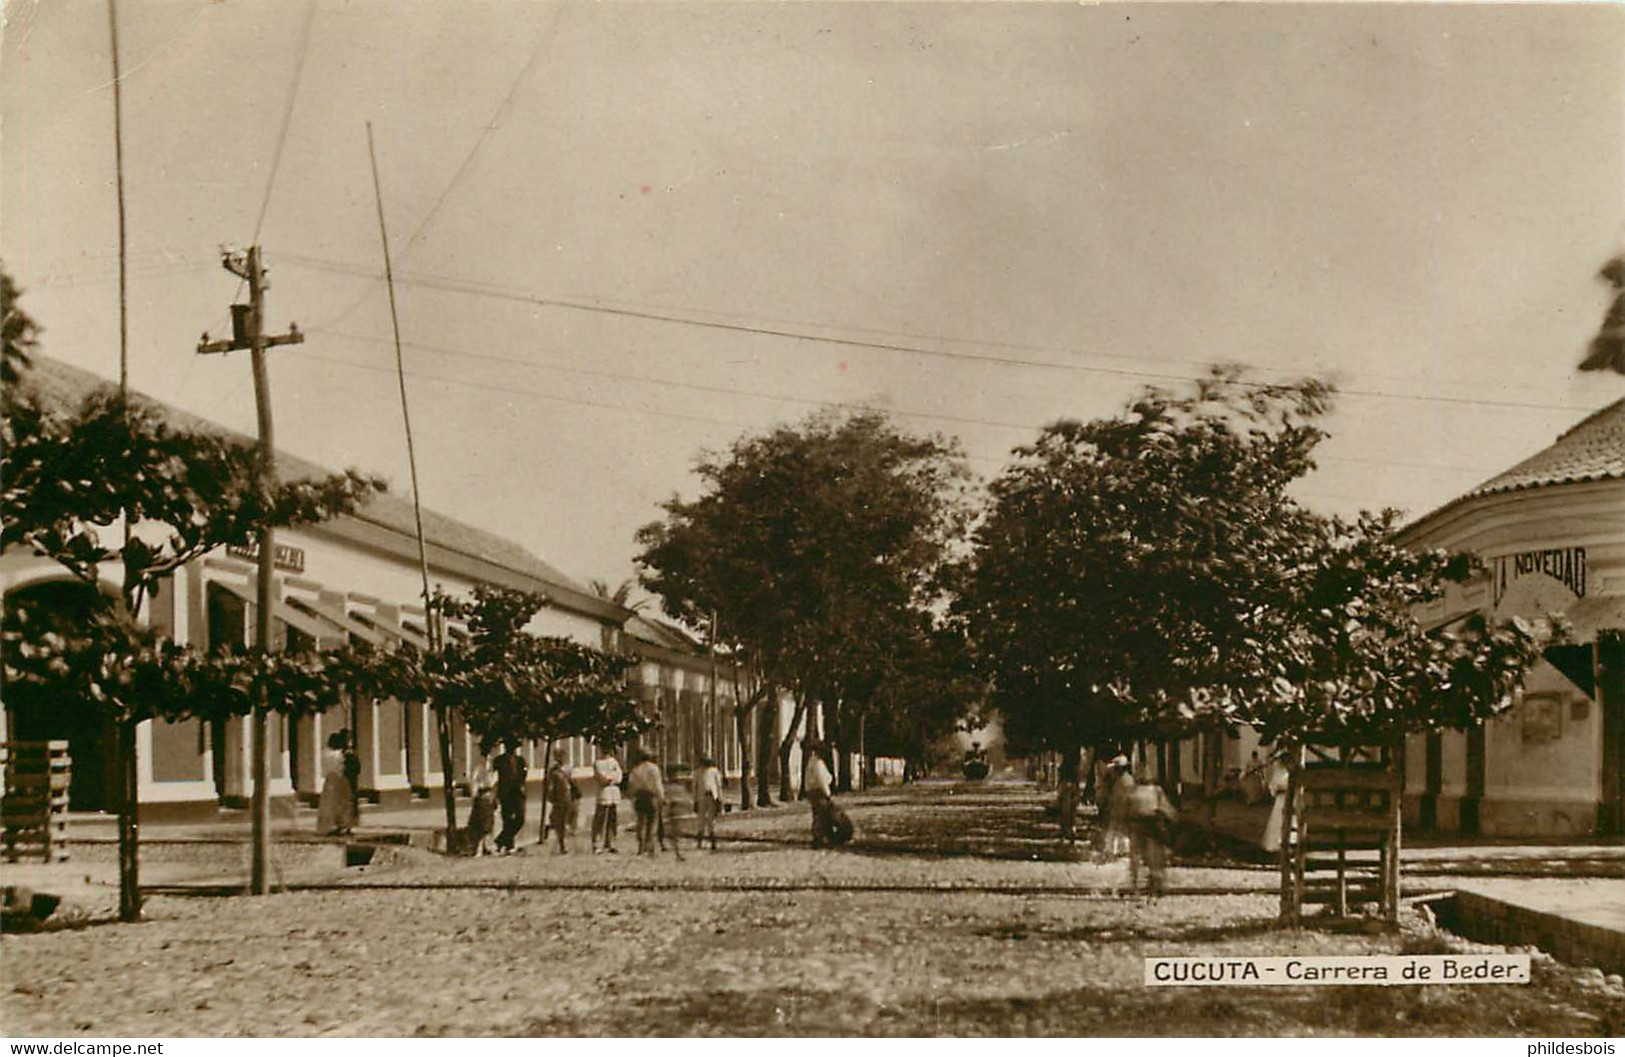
x=1334, y=969
x=1566, y=565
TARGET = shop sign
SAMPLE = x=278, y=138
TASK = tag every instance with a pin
x=285, y=557
x=1566, y=565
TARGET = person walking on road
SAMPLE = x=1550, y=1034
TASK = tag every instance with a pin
x=559, y=792
x=511, y=772
x=1150, y=816
x=606, y=771
x=818, y=785
x=707, y=801
x=648, y=796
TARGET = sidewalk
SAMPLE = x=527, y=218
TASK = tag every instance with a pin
x=1244, y=824
x=291, y=823
x=1580, y=922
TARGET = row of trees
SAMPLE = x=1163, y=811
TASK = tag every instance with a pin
x=1145, y=575
x=121, y=499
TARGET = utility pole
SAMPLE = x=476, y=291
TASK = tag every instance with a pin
x=247, y=333
x=129, y=821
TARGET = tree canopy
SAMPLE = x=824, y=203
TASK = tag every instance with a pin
x=1150, y=572
x=803, y=533
x=508, y=683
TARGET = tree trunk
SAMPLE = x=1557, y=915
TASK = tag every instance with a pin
x=547, y=761
x=129, y=825
x=765, y=736
x=442, y=723
x=785, y=792
x=840, y=750
x=742, y=731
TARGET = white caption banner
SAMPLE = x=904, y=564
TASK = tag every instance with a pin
x=1354, y=969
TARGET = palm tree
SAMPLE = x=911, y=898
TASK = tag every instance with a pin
x=620, y=596
x=1607, y=350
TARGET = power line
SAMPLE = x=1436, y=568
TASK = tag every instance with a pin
x=510, y=390
x=287, y=119
x=1025, y=427
x=674, y=317
x=491, y=124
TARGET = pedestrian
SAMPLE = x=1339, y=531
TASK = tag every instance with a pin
x=482, y=813
x=1121, y=785
x=352, y=775
x=1150, y=817
x=335, y=811
x=707, y=801
x=678, y=817
x=557, y=790
x=606, y=771
x=1067, y=802
x=648, y=796
x=817, y=784
x=511, y=772
x=1276, y=782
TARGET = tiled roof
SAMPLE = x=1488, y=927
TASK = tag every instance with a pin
x=660, y=633
x=1592, y=450
x=63, y=387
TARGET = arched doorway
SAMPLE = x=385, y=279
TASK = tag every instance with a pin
x=40, y=713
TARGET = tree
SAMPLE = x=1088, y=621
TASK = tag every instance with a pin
x=800, y=535
x=20, y=333
x=1149, y=574
x=1350, y=660
x=510, y=684
x=68, y=480
x=1607, y=349
x=923, y=693
x=1120, y=562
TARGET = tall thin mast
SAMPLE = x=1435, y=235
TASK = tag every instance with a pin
x=400, y=374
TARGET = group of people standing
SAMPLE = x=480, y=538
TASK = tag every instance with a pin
x=663, y=810
x=659, y=809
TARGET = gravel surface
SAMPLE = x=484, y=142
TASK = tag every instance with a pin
x=905, y=939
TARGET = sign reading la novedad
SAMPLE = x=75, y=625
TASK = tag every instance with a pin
x=285, y=557
x=1566, y=565
x=1353, y=969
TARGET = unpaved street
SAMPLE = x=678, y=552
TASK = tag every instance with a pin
x=908, y=934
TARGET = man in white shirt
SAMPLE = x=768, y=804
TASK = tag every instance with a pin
x=817, y=784
x=708, y=801
x=607, y=771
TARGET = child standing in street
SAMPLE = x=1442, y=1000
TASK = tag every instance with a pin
x=606, y=770
x=561, y=803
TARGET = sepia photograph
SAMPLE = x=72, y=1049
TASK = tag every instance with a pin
x=750, y=518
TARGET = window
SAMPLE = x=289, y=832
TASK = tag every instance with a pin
x=1542, y=717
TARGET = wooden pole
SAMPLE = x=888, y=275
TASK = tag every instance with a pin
x=129, y=822
x=433, y=632
x=260, y=873
x=249, y=333
x=1291, y=874
x=1396, y=818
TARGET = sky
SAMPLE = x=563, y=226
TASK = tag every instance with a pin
x=979, y=217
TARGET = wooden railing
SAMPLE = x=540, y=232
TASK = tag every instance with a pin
x=34, y=810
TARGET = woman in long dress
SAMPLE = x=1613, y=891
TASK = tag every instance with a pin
x=1276, y=783
x=335, y=812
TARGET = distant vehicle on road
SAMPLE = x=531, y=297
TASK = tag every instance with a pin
x=976, y=767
